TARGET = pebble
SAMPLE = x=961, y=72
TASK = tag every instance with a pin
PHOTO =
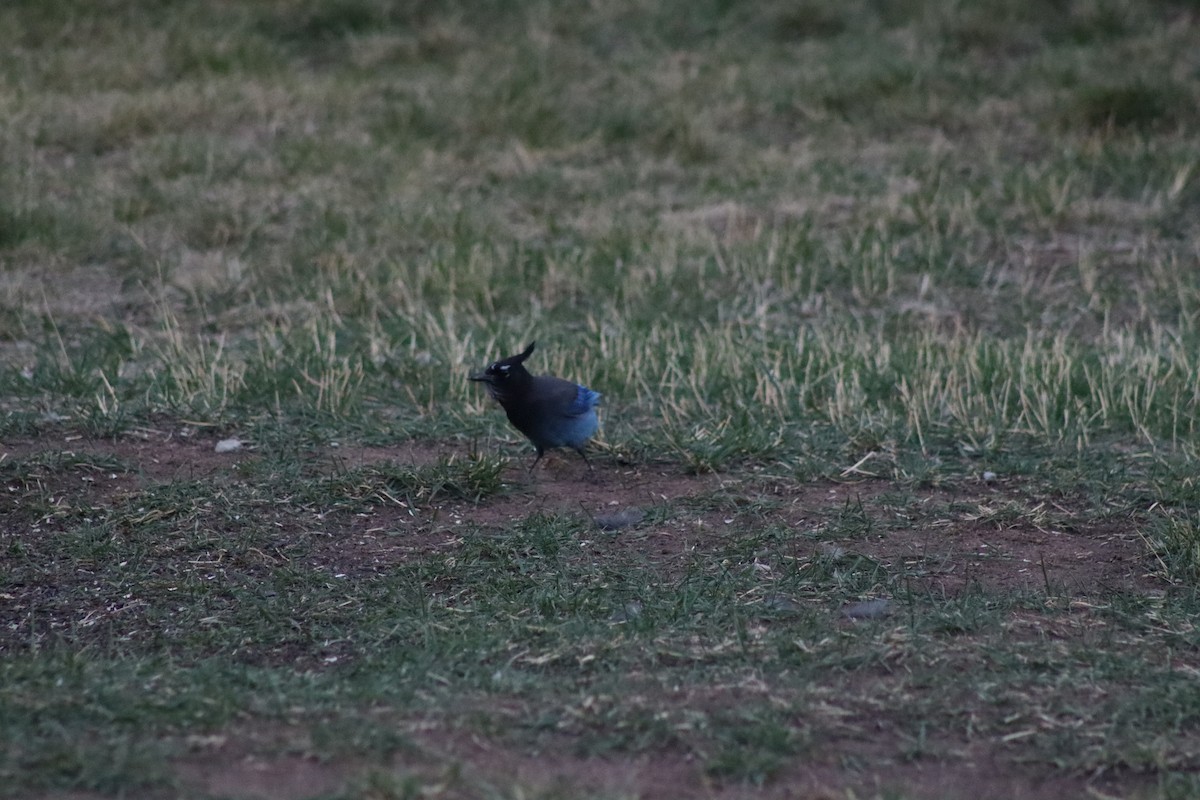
x=620, y=519
x=868, y=609
x=630, y=611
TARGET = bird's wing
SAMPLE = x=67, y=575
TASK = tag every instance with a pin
x=564, y=397
x=585, y=400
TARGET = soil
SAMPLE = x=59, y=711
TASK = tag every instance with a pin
x=947, y=551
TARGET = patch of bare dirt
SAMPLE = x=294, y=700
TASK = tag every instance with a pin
x=94, y=470
x=991, y=535
x=458, y=765
x=243, y=776
x=995, y=537
x=952, y=538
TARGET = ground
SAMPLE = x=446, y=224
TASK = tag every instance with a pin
x=953, y=540
x=895, y=312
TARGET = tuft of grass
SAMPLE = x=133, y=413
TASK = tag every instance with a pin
x=473, y=478
x=1137, y=106
x=1173, y=538
x=751, y=748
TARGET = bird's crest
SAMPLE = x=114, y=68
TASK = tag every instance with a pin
x=506, y=364
x=499, y=371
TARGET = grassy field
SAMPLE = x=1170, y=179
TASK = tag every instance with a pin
x=895, y=308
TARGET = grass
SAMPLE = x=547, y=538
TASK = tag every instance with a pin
x=864, y=287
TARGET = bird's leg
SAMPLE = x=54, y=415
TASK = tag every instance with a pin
x=541, y=451
x=586, y=460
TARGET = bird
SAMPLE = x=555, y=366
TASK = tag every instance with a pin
x=550, y=411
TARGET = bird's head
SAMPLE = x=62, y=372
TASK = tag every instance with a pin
x=503, y=375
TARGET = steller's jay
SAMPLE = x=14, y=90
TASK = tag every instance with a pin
x=551, y=412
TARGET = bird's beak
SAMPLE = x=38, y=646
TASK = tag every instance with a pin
x=480, y=376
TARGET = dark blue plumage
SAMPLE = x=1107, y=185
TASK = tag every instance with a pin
x=550, y=411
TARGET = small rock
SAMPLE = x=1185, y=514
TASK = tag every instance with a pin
x=228, y=445
x=988, y=477
x=868, y=609
x=831, y=550
x=620, y=519
x=202, y=742
x=630, y=611
x=780, y=604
